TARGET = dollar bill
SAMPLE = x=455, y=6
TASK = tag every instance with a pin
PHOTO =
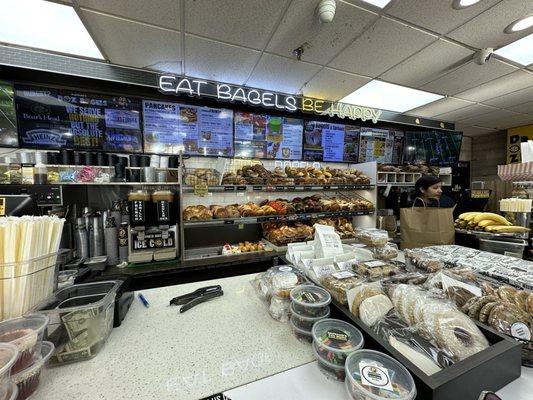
x=79, y=342
x=75, y=355
x=77, y=321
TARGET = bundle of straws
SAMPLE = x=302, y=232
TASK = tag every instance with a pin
x=28, y=256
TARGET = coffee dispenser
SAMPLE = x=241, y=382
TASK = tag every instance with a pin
x=165, y=220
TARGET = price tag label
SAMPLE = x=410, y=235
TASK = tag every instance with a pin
x=201, y=189
x=480, y=193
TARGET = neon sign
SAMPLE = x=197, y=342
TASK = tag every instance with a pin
x=172, y=84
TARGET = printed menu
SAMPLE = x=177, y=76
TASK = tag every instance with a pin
x=265, y=136
x=53, y=118
x=376, y=145
x=171, y=127
x=324, y=141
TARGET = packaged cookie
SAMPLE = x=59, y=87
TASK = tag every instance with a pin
x=417, y=259
x=385, y=253
x=376, y=269
x=372, y=237
x=277, y=281
x=279, y=308
x=339, y=283
x=374, y=308
x=362, y=292
x=512, y=321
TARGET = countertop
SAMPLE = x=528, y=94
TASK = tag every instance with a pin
x=158, y=353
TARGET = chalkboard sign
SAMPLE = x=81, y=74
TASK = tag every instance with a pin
x=53, y=118
x=8, y=119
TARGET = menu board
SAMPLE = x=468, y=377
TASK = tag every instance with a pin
x=324, y=141
x=54, y=118
x=171, y=127
x=433, y=147
x=376, y=145
x=8, y=118
x=265, y=136
x=397, y=150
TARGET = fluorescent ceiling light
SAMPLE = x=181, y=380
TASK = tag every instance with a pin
x=458, y=4
x=378, y=3
x=520, y=51
x=387, y=96
x=45, y=25
x=520, y=24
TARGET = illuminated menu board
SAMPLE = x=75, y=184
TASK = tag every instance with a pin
x=53, y=118
x=380, y=145
x=171, y=127
x=324, y=141
x=265, y=136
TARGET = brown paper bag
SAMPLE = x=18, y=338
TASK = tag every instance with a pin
x=426, y=226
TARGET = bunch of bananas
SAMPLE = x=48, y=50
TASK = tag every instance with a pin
x=488, y=222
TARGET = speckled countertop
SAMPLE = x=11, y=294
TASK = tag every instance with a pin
x=159, y=353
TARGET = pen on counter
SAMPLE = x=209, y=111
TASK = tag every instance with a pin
x=143, y=300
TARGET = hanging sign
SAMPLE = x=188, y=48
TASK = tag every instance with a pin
x=176, y=85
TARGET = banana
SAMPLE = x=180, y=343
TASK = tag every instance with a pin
x=467, y=214
x=494, y=217
x=487, y=222
x=507, y=229
x=472, y=216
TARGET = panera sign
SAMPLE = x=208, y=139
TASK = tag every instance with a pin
x=172, y=84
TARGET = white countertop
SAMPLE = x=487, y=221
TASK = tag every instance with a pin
x=161, y=354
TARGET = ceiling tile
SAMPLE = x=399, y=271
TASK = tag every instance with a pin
x=242, y=22
x=511, y=99
x=468, y=76
x=436, y=15
x=133, y=44
x=489, y=119
x=475, y=131
x=465, y=112
x=281, y=74
x=526, y=108
x=165, y=14
x=509, y=122
x=439, y=107
x=333, y=85
x=217, y=61
x=486, y=30
x=506, y=84
x=383, y=45
x=300, y=25
x=427, y=65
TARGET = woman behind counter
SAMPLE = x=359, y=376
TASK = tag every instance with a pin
x=428, y=193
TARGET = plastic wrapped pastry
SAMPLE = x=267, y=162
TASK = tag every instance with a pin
x=277, y=281
x=373, y=237
x=374, y=308
x=363, y=292
x=376, y=269
x=339, y=283
x=385, y=253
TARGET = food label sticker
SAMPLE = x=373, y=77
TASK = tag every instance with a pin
x=307, y=262
x=309, y=297
x=345, y=265
x=285, y=268
x=373, y=264
x=322, y=270
x=343, y=274
x=373, y=375
x=520, y=330
x=358, y=245
x=337, y=336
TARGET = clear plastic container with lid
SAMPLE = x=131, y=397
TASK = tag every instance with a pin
x=330, y=370
x=8, y=357
x=334, y=340
x=301, y=334
x=374, y=376
x=304, y=322
x=310, y=300
x=28, y=380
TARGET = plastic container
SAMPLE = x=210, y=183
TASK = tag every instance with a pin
x=12, y=392
x=81, y=319
x=310, y=301
x=330, y=370
x=26, y=333
x=374, y=375
x=335, y=340
x=8, y=358
x=28, y=380
x=301, y=335
x=66, y=278
x=306, y=323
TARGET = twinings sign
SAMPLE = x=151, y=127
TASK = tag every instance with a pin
x=172, y=84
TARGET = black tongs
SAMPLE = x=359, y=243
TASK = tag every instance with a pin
x=189, y=300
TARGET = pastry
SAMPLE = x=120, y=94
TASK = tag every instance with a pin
x=529, y=304
x=279, y=308
x=364, y=293
x=487, y=289
x=283, y=283
x=486, y=310
x=512, y=321
x=507, y=293
x=521, y=299
x=468, y=303
x=372, y=309
x=459, y=295
x=337, y=285
x=475, y=308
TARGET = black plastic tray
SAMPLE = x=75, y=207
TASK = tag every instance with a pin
x=490, y=369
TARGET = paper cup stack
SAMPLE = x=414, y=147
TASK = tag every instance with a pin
x=333, y=341
x=309, y=305
x=25, y=334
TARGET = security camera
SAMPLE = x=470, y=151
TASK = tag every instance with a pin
x=483, y=55
x=326, y=10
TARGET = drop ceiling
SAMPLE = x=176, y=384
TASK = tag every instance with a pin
x=423, y=44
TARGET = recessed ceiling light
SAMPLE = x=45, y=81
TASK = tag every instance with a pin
x=378, y=3
x=458, y=4
x=520, y=51
x=45, y=25
x=520, y=24
x=387, y=96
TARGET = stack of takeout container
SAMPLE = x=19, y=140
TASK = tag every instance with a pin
x=309, y=304
x=25, y=336
x=333, y=341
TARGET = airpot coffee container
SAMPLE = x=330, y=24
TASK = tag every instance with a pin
x=138, y=204
x=164, y=209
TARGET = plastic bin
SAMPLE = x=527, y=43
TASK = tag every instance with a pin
x=27, y=381
x=310, y=300
x=303, y=322
x=301, y=334
x=330, y=370
x=81, y=319
x=335, y=340
x=66, y=278
x=26, y=334
x=502, y=247
x=374, y=375
x=8, y=357
x=27, y=283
